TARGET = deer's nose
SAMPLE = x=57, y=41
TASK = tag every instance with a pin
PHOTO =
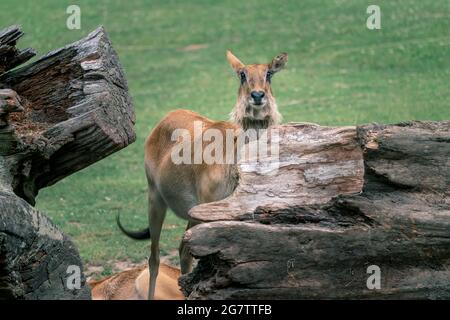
x=257, y=96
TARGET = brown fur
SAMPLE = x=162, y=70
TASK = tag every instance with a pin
x=133, y=285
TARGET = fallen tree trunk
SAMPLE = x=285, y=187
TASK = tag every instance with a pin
x=344, y=202
x=58, y=115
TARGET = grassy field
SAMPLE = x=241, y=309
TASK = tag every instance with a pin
x=339, y=73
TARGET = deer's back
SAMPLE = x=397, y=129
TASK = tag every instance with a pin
x=183, y=186
x=133, y=285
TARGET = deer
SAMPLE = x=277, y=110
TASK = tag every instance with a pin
x=133, y=285
x=180, y=187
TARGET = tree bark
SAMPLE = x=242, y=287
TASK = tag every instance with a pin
x=343, y=199
x=58, y=115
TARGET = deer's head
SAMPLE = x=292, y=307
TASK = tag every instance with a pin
x=256, y=107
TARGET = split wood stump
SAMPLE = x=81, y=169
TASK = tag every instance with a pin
x=58, y=115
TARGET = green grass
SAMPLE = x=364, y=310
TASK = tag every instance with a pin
x=339, y=73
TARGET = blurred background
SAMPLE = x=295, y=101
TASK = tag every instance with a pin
x=173, y=53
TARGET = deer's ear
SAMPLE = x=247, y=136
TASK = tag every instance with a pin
x=278, y=62
x=235, y=63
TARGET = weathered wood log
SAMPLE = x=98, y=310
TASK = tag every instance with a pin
x=347, y=199
x=315, y=164
x=76, y=112
x=72, y=109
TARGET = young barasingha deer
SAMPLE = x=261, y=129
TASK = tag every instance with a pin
x=183, y=186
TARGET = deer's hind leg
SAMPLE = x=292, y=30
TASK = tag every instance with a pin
x=157, y=213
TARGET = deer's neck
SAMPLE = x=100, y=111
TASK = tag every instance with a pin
x=268, y=115
x=248, y=124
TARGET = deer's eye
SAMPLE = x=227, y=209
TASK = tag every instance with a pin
x=269, y=75
x=242, y=76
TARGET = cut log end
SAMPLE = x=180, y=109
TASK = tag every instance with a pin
x=314, y=165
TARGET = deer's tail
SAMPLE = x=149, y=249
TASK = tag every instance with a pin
x=137, y=235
